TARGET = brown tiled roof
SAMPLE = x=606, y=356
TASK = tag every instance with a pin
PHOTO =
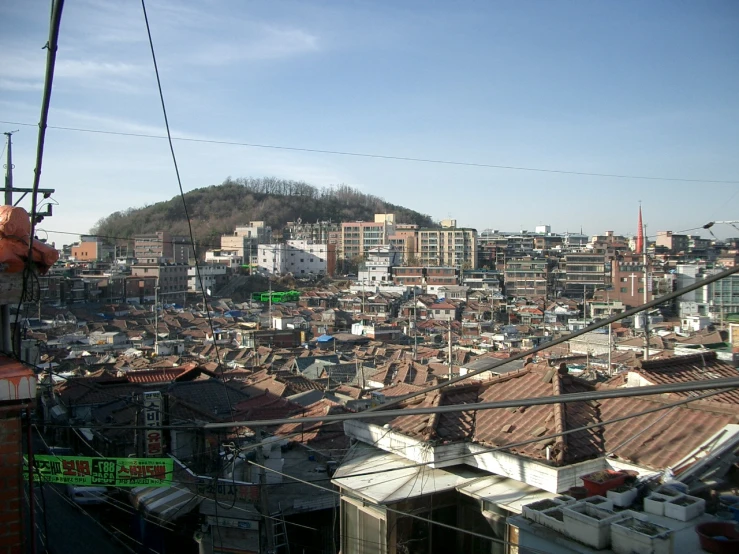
x=353, y=392
x=265, y=406
x=399, y=389
x=703, y=338
x=652, y=440
x=162, y=375
x=269, y=384
x=695, y=367
x=321, y=436
x=663, y=442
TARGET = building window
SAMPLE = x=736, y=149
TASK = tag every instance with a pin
x=623, y=289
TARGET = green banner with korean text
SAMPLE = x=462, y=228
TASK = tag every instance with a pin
x=102, y=472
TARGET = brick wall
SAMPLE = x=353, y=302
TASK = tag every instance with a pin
x=11, y=481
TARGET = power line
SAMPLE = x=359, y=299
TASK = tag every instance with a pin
x=492, y=364
x=387, y=156
x=669, y=406
x=184, y=202
x=727, y=383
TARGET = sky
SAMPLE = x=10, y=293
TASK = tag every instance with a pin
x=646, y=89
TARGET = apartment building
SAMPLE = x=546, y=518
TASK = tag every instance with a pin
x=91, y=249
x=170, y=278
x=358, y=237
x=317, y=233
x=527, y=277
x=409, y=276
x=213, y=275
x=298, y=257
x=161, y=247
x=403, y=240
x=377, y=267
x=245, y=239
x=448, y=246
x=583, y=273
x=674, y=243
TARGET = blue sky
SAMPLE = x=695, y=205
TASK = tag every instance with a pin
x=636, y=88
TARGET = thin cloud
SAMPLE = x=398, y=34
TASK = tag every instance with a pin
x=20, y=85
x=88, y=69
x=262, y=43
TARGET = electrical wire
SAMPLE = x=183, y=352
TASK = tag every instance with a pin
x=184, y=202
x=387, y=156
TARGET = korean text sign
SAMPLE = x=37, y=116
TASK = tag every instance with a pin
x=106, y=472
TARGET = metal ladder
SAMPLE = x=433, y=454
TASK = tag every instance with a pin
x=279, y=532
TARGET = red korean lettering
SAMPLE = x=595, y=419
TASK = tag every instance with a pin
x=82, y=467
x=68, y=468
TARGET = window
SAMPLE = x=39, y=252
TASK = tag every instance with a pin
x=641, y=290
x=623, y=289
x=369, y=527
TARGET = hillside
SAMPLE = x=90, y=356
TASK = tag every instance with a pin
x=218, y=209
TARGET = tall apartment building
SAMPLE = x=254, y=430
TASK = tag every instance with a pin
x=245, y=239
x=583, y=273
x=358, y=237
x=403, y=240
x=161, y=247
x=527, y=277
x=317, y=233
x=723, y=296
x=449, y=246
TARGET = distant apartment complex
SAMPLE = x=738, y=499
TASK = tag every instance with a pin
x=358, y=237
x=161, y=247
x=244, y=240
x=296, y=257
x=449, y=246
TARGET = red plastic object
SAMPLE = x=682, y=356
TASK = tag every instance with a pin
x=600, y=482
x=709, y=532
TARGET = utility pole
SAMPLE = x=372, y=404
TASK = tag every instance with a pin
x=415, y=325
x=646, y=298
x=6, y=339
x=156, y=321
x=9, y=170
x=451, y=359
x=263, y=497
x=7, y=344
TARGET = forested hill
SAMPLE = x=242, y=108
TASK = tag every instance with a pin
x=218, y=209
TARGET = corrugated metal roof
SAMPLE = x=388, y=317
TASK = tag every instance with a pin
x=399, y=480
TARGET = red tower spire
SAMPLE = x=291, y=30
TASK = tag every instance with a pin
x=640, y=236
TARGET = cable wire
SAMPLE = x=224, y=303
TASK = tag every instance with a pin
x=389, y=157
